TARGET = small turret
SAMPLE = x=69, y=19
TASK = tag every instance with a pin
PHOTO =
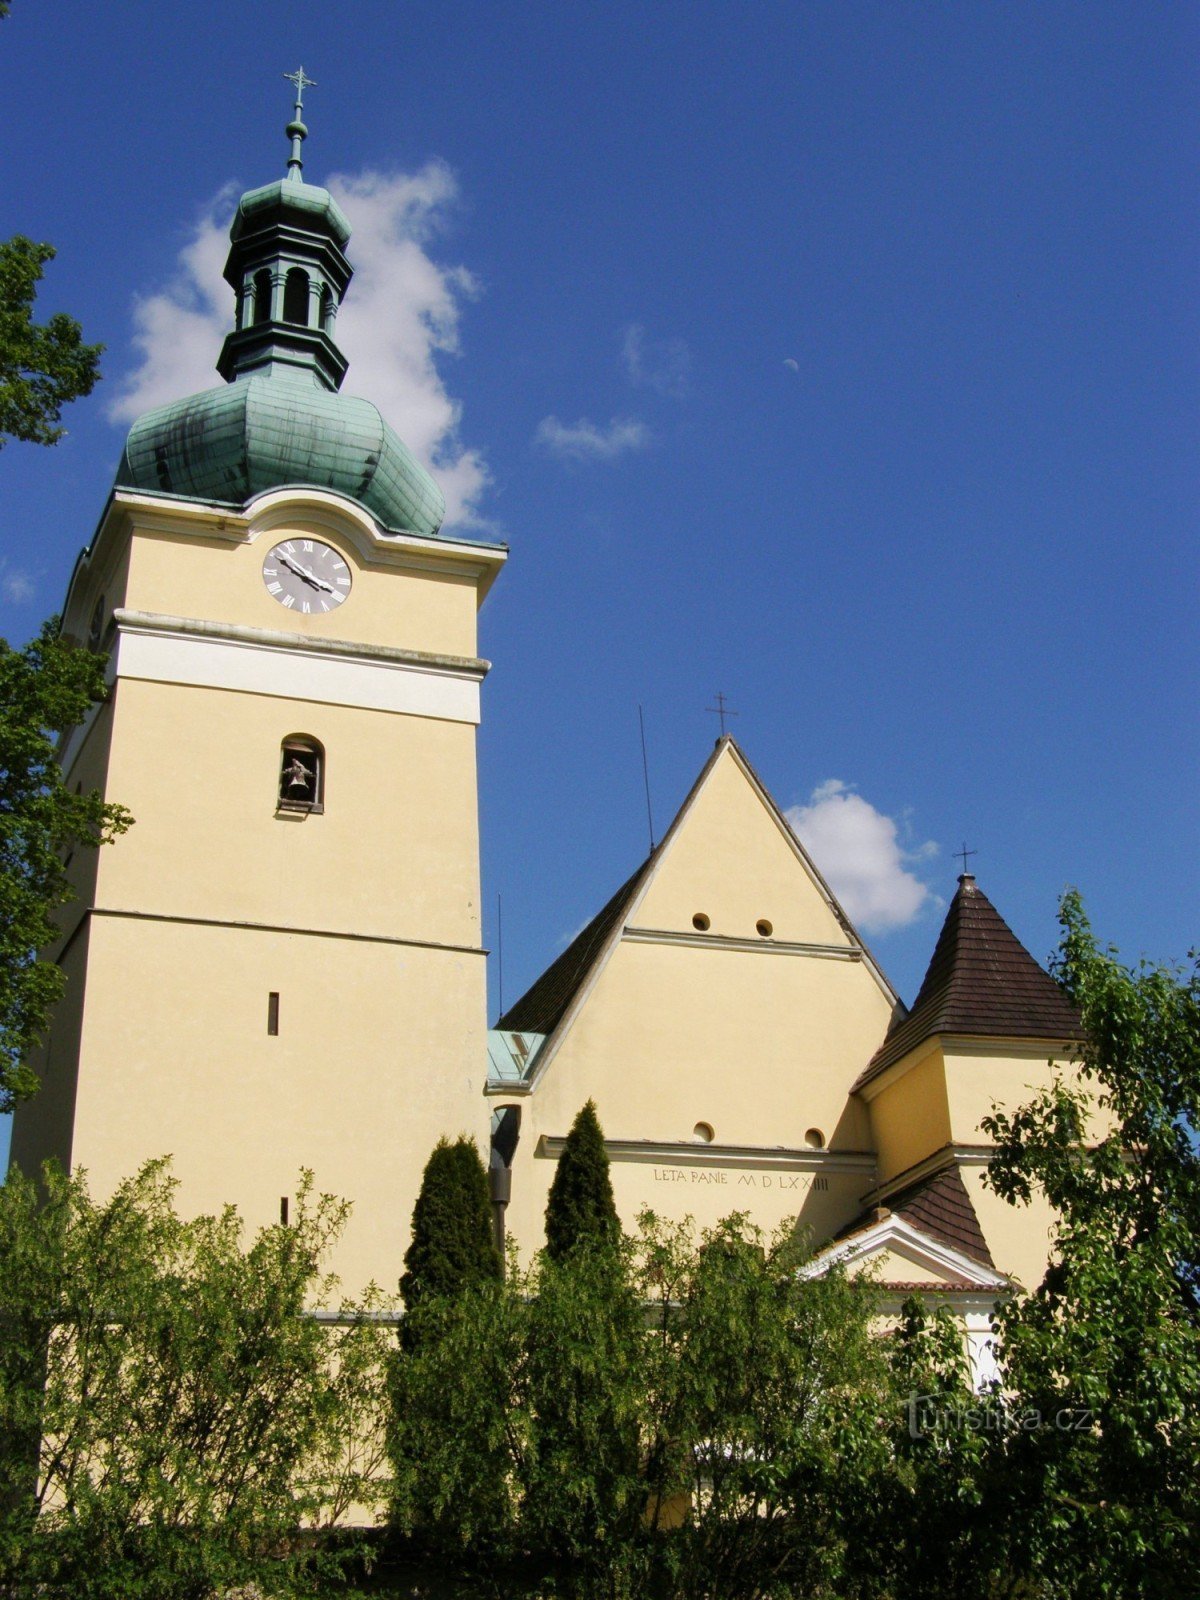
x=289, y=272
x=280, y=419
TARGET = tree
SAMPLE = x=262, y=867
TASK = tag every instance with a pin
x=46, y=688
x=581, y=1211
x=186, y=1416
x=42, y=367
x=453, y=1246
x=673, y=1417
x=1104, y=1493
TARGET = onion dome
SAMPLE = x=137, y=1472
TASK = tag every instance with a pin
x=279, y=418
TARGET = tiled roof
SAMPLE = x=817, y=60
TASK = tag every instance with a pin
x=541, y=1008
x=919, y=1286
x=939, y=1206
x=981, y=980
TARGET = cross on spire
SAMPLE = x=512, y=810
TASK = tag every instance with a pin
x=721, y=709
x=964, y=853
x=296, y=131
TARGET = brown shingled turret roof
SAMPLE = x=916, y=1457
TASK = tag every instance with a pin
x=982, y=980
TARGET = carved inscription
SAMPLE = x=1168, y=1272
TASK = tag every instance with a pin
x=740, y=1180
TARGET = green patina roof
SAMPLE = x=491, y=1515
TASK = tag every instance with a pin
x=307, y=202
x=280, y=419
x=235, y=441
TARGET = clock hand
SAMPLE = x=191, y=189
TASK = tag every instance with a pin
x=303, y=572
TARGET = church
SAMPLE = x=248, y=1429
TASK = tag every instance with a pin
x=294, y=670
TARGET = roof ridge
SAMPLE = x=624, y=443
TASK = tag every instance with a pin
x=542, y=1006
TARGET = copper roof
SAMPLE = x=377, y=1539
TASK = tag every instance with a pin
x=981, y=980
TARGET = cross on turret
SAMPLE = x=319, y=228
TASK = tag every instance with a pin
x=296, y=131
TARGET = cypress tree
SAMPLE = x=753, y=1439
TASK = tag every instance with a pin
x=452, y=1245
x=581, y=1212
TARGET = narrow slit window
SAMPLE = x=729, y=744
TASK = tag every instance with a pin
x=283, y=1210
x=273, y=1013
x=302, y=775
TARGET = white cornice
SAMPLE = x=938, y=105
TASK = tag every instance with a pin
x=286, y=666
x=473, y=667
x=949, y=1155
x=690, y=1153
x=893, y=1233
x=717, y=941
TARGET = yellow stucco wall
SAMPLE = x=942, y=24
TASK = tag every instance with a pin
x=374, y=1061
x=364, y=918
x=760, y=1043
x=222, y=579
x=994, y=1074
x=395, y=851
x=941, y=1098
x=910, y=1116
x=1019, y=1237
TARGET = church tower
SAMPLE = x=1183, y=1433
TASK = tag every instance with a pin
x=280, y=965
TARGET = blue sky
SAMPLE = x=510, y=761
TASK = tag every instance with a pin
x=839, y=356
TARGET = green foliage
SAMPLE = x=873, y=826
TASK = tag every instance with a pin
x=46, y=688
x=580, y=1211
x=168, y=1417
x=42, y=367
x=453, y=1246
x=940, y=1495
x=665, y=1418
x=1105, y=1495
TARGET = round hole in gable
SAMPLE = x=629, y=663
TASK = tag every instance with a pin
x=815, y=1139
x=764, y=928
x=701, y=922
x=703, y=1133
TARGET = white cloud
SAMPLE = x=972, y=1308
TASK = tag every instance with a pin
x=660, y=364
x=18, y=586
x=858, y=851
x=584, y=441
x=402, y=312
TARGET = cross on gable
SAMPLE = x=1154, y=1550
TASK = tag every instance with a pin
x=721, y=709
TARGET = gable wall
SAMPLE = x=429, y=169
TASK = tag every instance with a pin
x=731, y=861
x=761, y=1040
x=761, y=1045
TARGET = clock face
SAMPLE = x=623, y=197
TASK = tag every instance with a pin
x=306, y=576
